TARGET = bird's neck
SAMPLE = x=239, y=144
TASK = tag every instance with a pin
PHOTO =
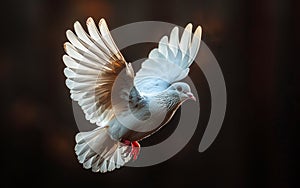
x=168, y=100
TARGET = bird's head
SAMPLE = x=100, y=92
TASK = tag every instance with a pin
x=183, y=90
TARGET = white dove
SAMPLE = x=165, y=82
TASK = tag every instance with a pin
x=132, y=108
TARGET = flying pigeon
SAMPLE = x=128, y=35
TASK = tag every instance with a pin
x=126, y=107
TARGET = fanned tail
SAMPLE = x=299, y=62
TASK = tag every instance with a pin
x=96, y=150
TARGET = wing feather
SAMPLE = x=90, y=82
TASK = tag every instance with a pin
x=170, y=61
x=93, y=62
x=173, y=44
x=186, y=38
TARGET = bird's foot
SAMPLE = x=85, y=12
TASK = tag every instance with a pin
x=135, y=149
x=126, y=142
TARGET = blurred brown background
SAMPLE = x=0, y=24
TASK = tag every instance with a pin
x=256, y=43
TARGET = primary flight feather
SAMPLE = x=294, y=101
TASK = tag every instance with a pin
x=126, y=107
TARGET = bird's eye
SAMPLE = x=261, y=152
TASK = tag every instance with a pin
x=179, y=88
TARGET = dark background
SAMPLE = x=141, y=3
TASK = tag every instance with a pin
x=256, y=44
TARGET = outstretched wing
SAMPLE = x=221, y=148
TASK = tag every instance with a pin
x=169, y=62
x=93, y=63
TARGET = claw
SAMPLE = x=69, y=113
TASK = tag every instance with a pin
x=135, y=149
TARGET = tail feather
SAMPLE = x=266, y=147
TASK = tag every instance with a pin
x=95, y=149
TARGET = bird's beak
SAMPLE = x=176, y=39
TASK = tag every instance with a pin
x=191, y=96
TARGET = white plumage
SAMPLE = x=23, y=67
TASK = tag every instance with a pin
x=93, y=65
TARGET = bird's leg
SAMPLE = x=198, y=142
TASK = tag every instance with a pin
x=126, y=142
x=135, y=149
